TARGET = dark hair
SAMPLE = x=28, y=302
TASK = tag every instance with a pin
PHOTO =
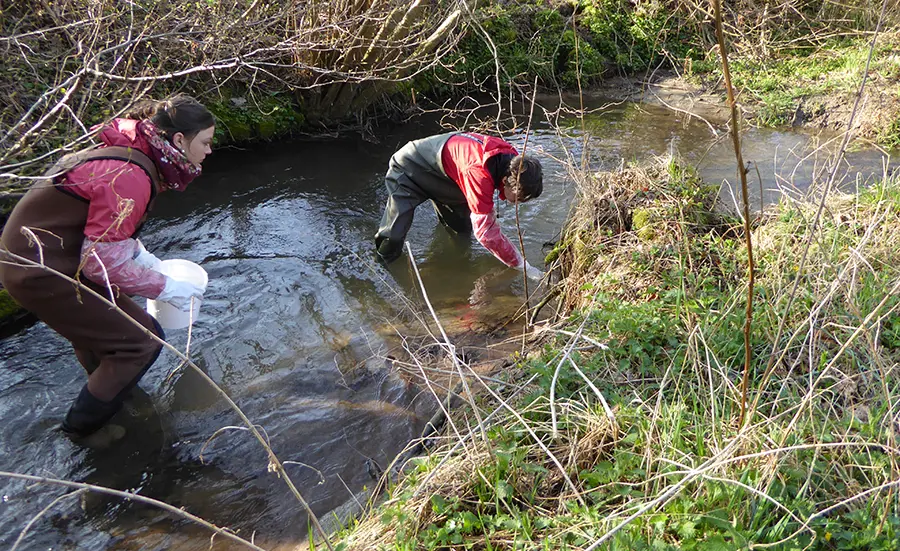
x=178, y=113
x=526, y=174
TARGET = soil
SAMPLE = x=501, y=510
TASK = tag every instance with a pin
x=878, y=109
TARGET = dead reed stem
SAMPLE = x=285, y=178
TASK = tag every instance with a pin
x=519, y=225
x=745, y=196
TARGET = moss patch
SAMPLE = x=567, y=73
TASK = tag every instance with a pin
x=8, y=307
x=642, y=223
x=243, y=118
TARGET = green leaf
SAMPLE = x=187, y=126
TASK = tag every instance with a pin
x=504, y=489
x=659, y=522
x=687, y=529
x=438, y=504
x=715, y=543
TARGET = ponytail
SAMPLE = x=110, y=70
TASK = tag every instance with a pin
x=178, y=113
x=144, y=109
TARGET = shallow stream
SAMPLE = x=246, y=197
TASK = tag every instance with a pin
x=297, y=324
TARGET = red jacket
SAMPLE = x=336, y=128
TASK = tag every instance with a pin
x=110, y=185
x=464, y=158
x=118, y=193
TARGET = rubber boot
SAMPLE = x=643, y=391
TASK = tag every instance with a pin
x=388, y=250
x=86, y=421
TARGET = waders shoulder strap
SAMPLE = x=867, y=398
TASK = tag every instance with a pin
x=114, y=152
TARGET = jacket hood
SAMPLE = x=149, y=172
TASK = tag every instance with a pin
x=124, y=132
x=174, y=168
x=495, y=146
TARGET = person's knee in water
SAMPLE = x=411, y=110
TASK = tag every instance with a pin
x=96, y=202
x=456, y=218
x=459, y=172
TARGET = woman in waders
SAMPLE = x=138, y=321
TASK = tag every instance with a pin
x=82, y=221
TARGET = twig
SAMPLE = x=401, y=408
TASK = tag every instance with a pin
x=135, y=497
x=742, y=174
x=274, y=462
x=518, y=225
x=606, y=409
x=112, y=295
x=582, y=336
x=712, y=128
x=43, y=511
x=310, y=467
x=565, y=356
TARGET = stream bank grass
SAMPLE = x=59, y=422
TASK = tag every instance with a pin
x=656, y=310
x=808, y=85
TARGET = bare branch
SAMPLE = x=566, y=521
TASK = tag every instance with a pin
x=131, y=497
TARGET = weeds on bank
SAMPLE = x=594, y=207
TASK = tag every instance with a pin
x=816, y=467
x=269, y=67
x=779, y=83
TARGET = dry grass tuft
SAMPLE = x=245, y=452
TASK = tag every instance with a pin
x=634, y=208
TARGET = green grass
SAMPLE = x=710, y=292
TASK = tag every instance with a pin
x=779, y=83
x=800, y=475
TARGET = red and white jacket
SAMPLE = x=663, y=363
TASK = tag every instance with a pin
x=464, y=160
x=118, y=194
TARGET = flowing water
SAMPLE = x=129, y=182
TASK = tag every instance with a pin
x=296, y=326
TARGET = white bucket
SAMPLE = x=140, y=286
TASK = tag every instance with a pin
x=167, y=315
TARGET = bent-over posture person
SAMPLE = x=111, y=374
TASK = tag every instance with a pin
x=86, y=216
x=458, y=172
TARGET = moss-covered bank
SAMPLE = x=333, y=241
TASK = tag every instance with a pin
x=12, y=316
x=247, y=118
x=8, y=306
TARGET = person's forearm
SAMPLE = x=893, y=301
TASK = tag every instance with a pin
x=113, y=264
x=487, y=232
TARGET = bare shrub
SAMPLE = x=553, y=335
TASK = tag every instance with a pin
x=73, y=63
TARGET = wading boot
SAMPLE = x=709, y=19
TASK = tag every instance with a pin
x=86, y=421
x=388, y=250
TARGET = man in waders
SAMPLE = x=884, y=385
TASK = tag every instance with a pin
x=458, y=172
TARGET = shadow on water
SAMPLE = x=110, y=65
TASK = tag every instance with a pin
x=296, y=325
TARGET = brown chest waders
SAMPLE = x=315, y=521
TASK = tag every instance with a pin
x=113, y=351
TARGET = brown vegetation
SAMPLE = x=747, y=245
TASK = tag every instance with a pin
x=69, y=64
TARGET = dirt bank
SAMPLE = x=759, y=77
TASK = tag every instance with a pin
x=878, y=109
